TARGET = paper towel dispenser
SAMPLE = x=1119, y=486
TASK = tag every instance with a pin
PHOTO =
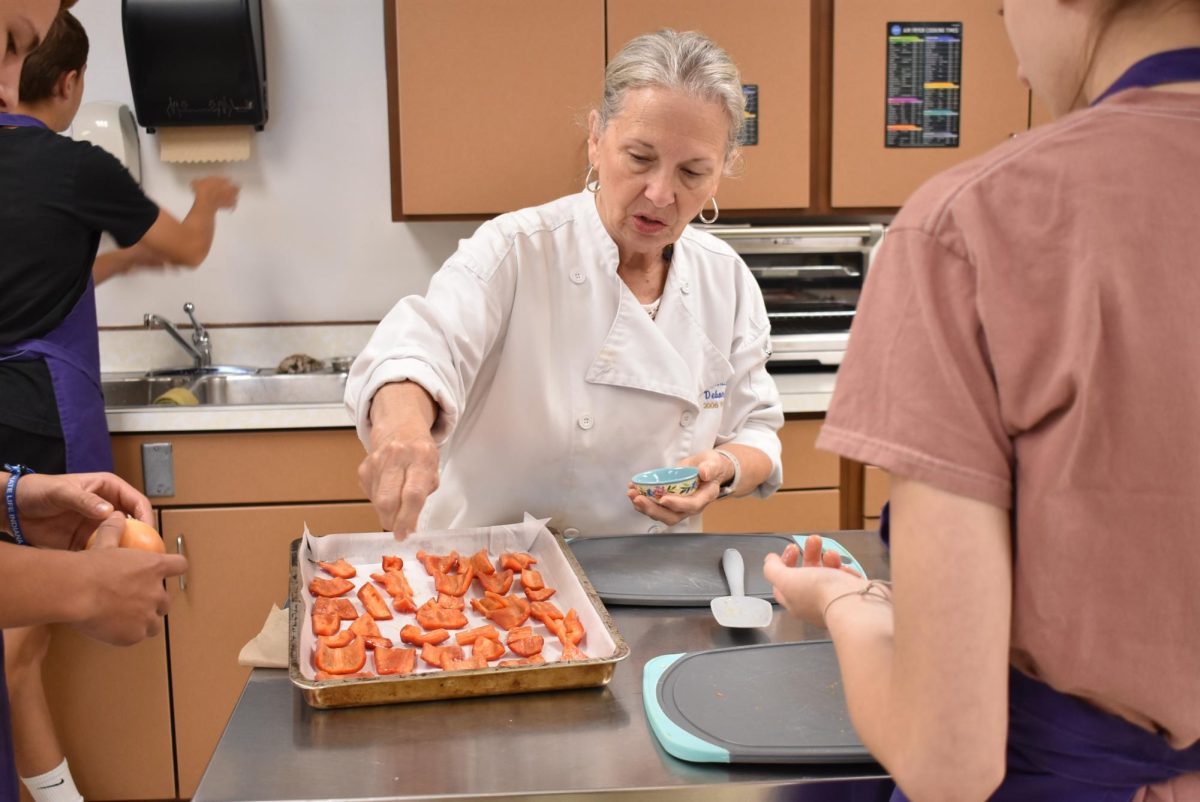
x=196, y=62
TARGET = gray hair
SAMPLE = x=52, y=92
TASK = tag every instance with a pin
x=689, y=62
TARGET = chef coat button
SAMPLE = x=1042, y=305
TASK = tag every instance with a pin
x=656, y=529
x=577, y=276
x=685, y=288
x=686, y=419
x=586, y=422
x=570, y=531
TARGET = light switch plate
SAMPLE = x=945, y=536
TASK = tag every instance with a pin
x=158, y=470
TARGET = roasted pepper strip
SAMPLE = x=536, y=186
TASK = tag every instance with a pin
x=411, y=633
x=439, y=655
x=481, y=561
x=340, y=660
x=540, y=595
x=531, y=580
x=453, y=584
x=394, y=583
x=499, y=582
x=395, y=661
x=373, y=602
x=516, y=560
x=365, y=625
x=469, y=636
x=330, y=587
x=339, y=568
x=536, y=660
x=438, y=562
x=392, y=563
x=545, y=611
x=488, y=649
x=431, y=616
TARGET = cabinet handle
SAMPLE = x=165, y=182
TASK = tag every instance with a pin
x=179, y=551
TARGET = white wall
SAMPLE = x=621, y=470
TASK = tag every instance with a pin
x=312, y=237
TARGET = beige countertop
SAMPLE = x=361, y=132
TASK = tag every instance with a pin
x=801, y=393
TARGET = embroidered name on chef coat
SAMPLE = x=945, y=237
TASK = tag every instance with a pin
x=714, y=396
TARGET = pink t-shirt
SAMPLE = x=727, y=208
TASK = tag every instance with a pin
x=1029, y=336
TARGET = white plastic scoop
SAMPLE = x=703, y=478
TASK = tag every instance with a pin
x=738, y=609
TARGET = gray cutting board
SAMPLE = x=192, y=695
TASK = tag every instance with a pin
x=771, y=703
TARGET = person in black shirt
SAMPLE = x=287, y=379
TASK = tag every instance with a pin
x=57, y=196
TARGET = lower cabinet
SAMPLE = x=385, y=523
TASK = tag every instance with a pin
x=876, y=486
x=810, y=498
x=238, y=566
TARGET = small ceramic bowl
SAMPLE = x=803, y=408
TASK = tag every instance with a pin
x=660, y=481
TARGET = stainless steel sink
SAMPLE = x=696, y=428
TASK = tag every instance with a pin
x=219, y=389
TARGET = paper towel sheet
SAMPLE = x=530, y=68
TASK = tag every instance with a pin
x=224, y=143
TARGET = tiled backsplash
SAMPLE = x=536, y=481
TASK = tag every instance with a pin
x=136, y=350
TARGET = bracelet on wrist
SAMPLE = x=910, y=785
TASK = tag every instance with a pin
x=878, y=589
x=10, y=500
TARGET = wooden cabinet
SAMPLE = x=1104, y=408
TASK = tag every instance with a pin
x=488, y=102
x=876, y=486
x=809, y=499
x=142, y=722
x=994, y=105
x=237, y=568
x=770, y=41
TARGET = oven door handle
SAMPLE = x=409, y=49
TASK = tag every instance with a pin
x=776, y=271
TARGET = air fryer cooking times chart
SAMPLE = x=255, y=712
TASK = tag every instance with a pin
x=924, y=84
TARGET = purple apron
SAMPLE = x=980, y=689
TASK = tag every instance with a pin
x=71, y=351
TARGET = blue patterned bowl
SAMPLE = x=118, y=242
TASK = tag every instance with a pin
x=660, y=481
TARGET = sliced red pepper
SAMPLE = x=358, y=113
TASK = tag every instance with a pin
x=499, y=582
x=438, y=562
x=373, y=602
x=340, y=568
x=544, y=611
x=344, y=609
x=466, y=664
x=392, y=563
x=469, y=636
x=324, y=675
x=365, y=625
x=343, y=660
x=574, y=629
x=490, y=602
x=411, y=633
x=539, y=595
x=404, y=604
x=481, y=561
x=516, y=560
x=531, y=580
x=325, y=622
x=430, y=616
x=451, y=602
x=526, y=645
x=329, y=587
x=513, y=613
x=572, y=652
x=536, y=660
x=395, y=583
x=488, y=649
x=375, y=642
x=395, y=661
x=453, y=584
x=339, y=639
x=438, y=655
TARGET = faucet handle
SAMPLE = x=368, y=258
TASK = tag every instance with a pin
x=199, y=333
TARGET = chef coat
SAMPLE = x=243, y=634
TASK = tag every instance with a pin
x=556, y=387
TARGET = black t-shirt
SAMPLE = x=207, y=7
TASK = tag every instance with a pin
x=56, y=198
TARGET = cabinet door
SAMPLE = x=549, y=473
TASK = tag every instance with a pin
x=489, y=101
x=770, y=41
x=112, y=712
x=238, y=566
x=786, y=511
x=994, y=105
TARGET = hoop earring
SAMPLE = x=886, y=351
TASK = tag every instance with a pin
x=716, y=214
x=590, y=185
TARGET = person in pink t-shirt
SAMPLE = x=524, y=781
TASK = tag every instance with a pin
x=1026, y=365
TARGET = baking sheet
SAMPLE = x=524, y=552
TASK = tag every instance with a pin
x=365, y=551
x=769, y=703
x=681, y=570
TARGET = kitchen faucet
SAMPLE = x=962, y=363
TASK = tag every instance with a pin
x=199, y=349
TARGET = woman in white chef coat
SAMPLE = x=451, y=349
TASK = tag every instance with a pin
x=566, y=347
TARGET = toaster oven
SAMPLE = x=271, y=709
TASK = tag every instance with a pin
x=811, y=278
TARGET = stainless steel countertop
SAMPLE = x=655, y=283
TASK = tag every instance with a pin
x=563, y=745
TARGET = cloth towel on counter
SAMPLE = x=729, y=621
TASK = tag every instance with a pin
x=269, y=648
